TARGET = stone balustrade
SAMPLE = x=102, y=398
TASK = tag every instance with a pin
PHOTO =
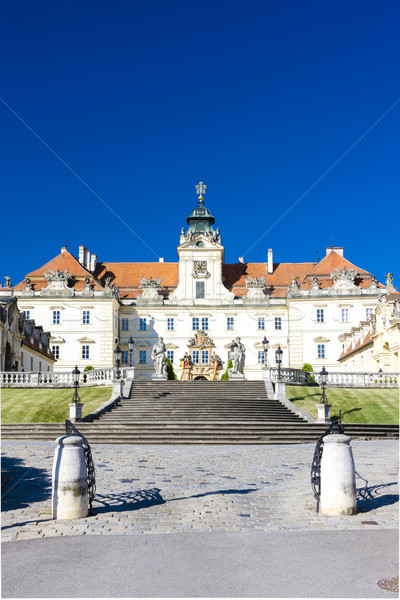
x=335, y=379
x=57, y=379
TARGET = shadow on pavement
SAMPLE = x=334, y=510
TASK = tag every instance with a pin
x=136, y=500
x=369, y=498
x=22, y=485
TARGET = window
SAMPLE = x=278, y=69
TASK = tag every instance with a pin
x=170, y=355
x=204, y=323
x=204, y=357
x=85, y=351
x=368, y=312
x=321, y=351
x=195, y=323
x=229, y=355
x=56, y=352
x=125, y=357
x=27, y=314
x=125, y=324
x=142, y=324
x=230, y=323
x=142, y=357
x=196, y=356
x=261, y=357
x=56, y=317
x=278, y=322
x=86, y=317
x=170, y=324
x=261, y=323
x=200, y=289
x=31, y=363
x=320, y=315
x=345, y=315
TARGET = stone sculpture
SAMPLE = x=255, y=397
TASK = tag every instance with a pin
x=238, y=358
x=158, y=356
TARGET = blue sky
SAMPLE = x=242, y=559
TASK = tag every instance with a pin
x=142, y=100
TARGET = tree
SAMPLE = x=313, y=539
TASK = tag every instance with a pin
x=170, y=370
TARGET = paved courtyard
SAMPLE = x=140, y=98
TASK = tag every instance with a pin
x=173, y=489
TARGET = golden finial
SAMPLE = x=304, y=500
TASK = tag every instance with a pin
x=200, y=189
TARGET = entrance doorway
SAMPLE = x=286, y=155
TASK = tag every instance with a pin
x=200, y=378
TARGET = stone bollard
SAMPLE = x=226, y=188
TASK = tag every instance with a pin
x=338, y=478
x=69, y=489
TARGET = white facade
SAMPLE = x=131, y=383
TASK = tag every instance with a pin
x=304, y=308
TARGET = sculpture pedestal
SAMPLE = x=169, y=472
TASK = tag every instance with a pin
x=324, y=413
x=280, y=390
x=236, y=376
x=159, y=377
x=75, y=411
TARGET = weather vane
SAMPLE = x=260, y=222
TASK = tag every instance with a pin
x=200, y=189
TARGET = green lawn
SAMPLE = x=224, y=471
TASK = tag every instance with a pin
x=357, y=405
x=47, y=405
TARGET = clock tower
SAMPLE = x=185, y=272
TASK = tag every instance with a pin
x=201, y=257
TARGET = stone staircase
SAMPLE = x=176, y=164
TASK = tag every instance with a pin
x=197, y=412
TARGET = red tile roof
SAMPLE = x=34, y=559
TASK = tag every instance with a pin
x=127, y=275
x=361, y=343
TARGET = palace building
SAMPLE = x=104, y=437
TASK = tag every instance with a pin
x=198, y=305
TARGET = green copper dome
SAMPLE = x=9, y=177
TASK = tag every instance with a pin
x=200, y=220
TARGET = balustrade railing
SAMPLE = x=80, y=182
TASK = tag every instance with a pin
x=335, y=379
x=57, y=378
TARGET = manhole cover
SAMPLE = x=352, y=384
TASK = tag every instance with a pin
x=391, y=585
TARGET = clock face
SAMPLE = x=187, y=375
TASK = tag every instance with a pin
x=199, y=266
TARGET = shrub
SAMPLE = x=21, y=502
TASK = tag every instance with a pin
x=170, y=370
x=309, y=368
x=88, y=368
x=225, y=376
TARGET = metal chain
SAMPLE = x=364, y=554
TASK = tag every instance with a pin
x=70, y=429
x=334, y=427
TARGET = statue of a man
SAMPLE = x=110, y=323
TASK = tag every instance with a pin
x=158, y=356
x=238, y=358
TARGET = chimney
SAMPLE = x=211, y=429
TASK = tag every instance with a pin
x=270, y=261
x=160, y=259
x=241, y=259
x=87, y=260
x=82, y=254
x=93, y=263
x=337, y=249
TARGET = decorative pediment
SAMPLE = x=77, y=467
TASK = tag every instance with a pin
x=86, y=340
x=201, y=341
x=255, y=282
x=57, y=283
x=321, y=340
x=343, y=280
x=255, y=286
x=150, y=289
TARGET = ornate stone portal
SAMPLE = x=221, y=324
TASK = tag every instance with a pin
x=200, y=362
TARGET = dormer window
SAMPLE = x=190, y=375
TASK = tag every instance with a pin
x=200, y=244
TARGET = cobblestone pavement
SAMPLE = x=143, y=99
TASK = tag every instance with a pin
x=162, y=489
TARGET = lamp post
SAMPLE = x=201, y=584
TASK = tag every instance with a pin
x=75, y=373
x=131, y=345
x=265, y=345
x=117, y=354
x=279, y=353
x=324, y=379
